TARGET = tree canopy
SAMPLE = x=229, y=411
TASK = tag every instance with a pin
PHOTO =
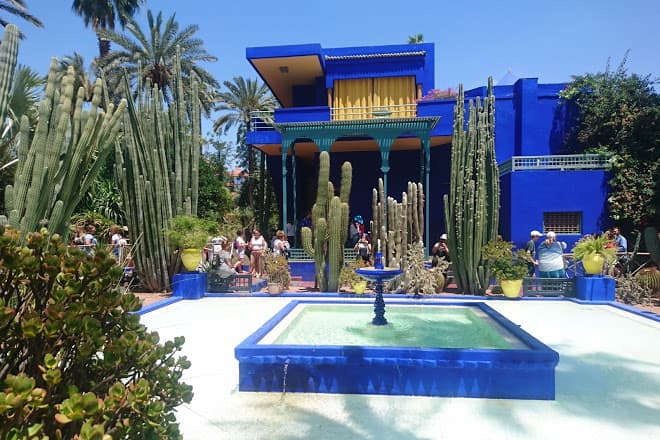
x=619, y=114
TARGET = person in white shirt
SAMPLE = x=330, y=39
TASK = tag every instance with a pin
x=257, y=248
x=238, y=248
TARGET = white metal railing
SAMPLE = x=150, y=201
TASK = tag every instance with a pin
x=262, y=120
x=558, y=162
x=298, y=254
x=373, y=112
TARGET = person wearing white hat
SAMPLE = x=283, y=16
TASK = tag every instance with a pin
x=440, y=250
x=551, y=257
x=530, y=248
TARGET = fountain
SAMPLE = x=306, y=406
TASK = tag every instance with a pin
x=379, y=274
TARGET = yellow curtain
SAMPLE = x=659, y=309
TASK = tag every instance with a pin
x=358, y=98
x=396, y=94
x=353, y=98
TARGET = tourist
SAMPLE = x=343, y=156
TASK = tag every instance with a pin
x=530, y=248
x=89, y=240
x=551, y=257
x=621, y=242
x=353, y=233
x=115, y=236
x=238, y=248
x=257, y=246
x=440, y=250
x=290, y=232
x=363, y=248
x=278, y=243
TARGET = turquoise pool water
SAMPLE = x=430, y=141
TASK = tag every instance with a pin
x=409, y=326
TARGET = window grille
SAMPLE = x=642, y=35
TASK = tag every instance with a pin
x=562, y=222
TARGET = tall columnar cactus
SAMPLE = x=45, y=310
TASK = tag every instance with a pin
x=472, y=205
x=157, y=167
x=325, y=240
x=397, y=225
x=59, y=162
x=8, y=57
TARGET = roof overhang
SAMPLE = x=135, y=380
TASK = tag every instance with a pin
x=282, y=67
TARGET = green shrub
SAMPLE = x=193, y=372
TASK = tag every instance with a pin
x=74, y=363
x=189, y=232
x=504, y=263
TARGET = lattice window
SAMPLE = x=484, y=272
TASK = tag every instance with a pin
x=562, y=222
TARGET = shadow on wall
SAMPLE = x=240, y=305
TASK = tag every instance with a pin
x=562, y=138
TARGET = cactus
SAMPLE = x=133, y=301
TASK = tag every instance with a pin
x=58, y=164
x=652, y=243
x=157, y=168
x=472, y=205
x=8, y=57
x=397, y=225
x=325, y=241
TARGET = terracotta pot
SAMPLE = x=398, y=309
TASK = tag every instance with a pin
x=359, y=287
x=511, y=288
x=593, y=264
x=191, y=258
x=274, y=288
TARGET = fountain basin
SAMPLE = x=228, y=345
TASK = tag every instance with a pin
x=523, y=370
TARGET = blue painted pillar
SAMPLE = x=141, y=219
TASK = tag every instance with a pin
x=525, y=95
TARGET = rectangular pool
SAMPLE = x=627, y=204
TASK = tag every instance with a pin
x=459, y=349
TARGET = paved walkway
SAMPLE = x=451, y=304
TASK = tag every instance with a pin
x=608, y=382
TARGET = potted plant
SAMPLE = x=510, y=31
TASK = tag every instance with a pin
x=189, y=235
x=348, y=277
x=594, y=252
x=507, y=267
x=277, y=268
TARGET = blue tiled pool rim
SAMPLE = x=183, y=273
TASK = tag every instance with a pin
x=483, y=373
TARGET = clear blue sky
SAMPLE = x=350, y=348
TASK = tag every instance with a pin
x=473, y=39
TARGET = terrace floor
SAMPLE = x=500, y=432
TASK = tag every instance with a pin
x=607, y=381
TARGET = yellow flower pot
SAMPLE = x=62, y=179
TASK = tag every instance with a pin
x=191, y=258
x=593, y=264
x=511, y=288
x=359, y=287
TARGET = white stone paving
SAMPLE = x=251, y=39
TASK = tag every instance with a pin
x=607, y=382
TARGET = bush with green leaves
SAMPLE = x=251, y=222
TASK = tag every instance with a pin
x=190, y=232
x=504, y=263
x=74, y=361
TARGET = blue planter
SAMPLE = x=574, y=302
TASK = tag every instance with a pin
x=189, y=285
x=595, y=288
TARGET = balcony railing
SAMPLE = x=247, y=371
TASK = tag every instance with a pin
x=264, y=120
x=373, y=112
x=559, y=162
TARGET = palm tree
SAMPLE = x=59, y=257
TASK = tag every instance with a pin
x=18, y=8
x=103, y=14
x=242, y=97
x=417, y=38
x=82, y=76
x=152, y=56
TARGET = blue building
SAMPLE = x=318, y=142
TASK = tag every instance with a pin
x=370, y=106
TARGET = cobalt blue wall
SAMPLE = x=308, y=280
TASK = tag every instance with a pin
x=526, y=195
x=419, y=66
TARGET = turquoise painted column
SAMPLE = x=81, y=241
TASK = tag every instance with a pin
x=295, y=189
x=286, y=141
x=426, y=148
x=385, y=146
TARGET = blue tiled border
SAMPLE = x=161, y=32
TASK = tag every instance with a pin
x=486, y=373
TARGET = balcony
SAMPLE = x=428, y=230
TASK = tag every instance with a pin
x=556, y=162
x=264, y=120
